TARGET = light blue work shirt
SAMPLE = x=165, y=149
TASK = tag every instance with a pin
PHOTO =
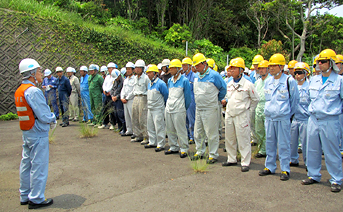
x=326, y=99
x=208, y=90
x=157, y=94
x=301, y=112
x=84, y=84
x=51, y=81
x=279, y=104
x=43, y=115
x=180, y=95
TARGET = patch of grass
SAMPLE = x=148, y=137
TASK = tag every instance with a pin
x=8, y=116
x=199, y=166
x=88, y=131
x=51, y=136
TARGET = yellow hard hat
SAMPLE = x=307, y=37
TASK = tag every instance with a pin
x=277, y=59
x=292, y=63
x=175, y=63
x=198, y=58
x=252, y=67
x=210, y=63
x=302, y=66
x=257, y=59
x=152, y=68
x=237, y=62
x=215, y=68
x=339, y=58
x=187, y=60
x=263, y=64
x=327, y=54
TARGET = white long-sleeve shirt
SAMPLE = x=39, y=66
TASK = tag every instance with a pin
x=127, y=91
x=241, y=97
x=108, y=83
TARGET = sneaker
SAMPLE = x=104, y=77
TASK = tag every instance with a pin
x=111, y=127
x=103, y=126
x=196, y=157
x=45, y=203
x=294, y=164
x=191, y=141
x=145, y=141
x=308, y=181
x=75, y=120
x=148, y=146
x=335, y=187
x=90, y=123
x=284, y=176
x=244, y=168
x=169, y=152
x=264, y=172
x=229, y=164
x=300, y=150
x=183, y=154
x=211, y=160
x=133, y=136
x=159, y=149
x=137, y=139
x=259, y=155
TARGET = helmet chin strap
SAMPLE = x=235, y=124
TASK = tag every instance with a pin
x=279, y=71
x=301, y=79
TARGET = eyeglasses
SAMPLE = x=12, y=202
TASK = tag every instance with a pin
x=323, y=61
x=299, y=72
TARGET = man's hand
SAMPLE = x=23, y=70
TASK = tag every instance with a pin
x=223, y=102
x=53, y=125
x=124, y=101
x=114, y=98
x=50, y=86
x=43, y=87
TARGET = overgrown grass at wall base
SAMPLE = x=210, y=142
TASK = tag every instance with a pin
x=8, y=116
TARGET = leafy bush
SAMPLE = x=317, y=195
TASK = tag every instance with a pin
x=8, y=116
x=178, y=34
x=142, y=24
x=273, y=47
x=121, y=22
x=207, y=47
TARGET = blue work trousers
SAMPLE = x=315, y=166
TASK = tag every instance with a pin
x=324, y=135
x=50, y=96
x=64, y=104
x=86, y=106
x=278, y=136
x=190, y=119
x=298, y=132
x=119, y=114
x=34, y=169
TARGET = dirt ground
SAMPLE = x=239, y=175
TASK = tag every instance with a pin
x=109, y=173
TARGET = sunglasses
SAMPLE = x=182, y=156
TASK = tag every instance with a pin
x=323, y=61
x=299, y=72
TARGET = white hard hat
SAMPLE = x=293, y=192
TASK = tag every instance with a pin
x=47, y=72
x=165, y=62
x=123, y=71
x=112, y=65
x=93, y=67
x=140, y=63
x=159, y=66
x=83, y=68
x=28, y=64
x=74, y=70
x=103, y=69
x=130, y=65
x=59, y=69
x=285, y=68
x=115, y=73
x=69, y=69
x=246, y=70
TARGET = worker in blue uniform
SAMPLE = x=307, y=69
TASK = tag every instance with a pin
x=35, y=119
x=190, y=113
x=282, y=98
x=50, y=86
x=301, y=115
x=64, y=91
x=85, y=99
x=323, y=128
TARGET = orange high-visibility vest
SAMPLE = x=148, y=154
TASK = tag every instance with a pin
x=25, y=113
